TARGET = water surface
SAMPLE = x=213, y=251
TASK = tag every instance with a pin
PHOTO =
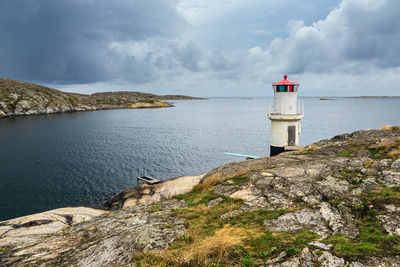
x=71, y=159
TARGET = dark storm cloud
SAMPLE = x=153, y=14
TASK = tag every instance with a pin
x=69, y=41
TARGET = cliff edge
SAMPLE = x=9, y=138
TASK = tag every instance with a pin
x=336, y=203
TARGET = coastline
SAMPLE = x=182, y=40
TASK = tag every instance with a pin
x=19, y=98
x=138, y=105
x=333, y=188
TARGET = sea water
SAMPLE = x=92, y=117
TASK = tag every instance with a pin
x=83, y=158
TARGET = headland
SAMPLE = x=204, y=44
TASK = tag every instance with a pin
x=22, y=98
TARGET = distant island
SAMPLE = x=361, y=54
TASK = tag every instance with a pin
x=22, y=98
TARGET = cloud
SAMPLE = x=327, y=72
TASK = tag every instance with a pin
x=356, y=36
x=195, y=47
x=74, y=41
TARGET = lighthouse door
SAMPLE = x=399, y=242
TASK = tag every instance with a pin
x=291, y=135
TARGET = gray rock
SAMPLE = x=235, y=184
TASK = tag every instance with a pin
x=329, y=260
x=390, y=178
x=333, y=188
x=214, y=202
x=320, y=245
x=391, y=222
x=231, y=213
x=396, y=165
x=276, y=259
x=321, y=219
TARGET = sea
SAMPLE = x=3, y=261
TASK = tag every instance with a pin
x=84, y=158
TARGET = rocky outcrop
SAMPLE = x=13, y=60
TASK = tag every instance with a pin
x=336, y=203
x=28, y=229
x=21, y=98
x=146, y=194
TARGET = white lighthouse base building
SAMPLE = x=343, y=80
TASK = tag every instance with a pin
x=285, y=130
x=285, y=116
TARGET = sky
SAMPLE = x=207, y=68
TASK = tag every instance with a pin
x=203, y=47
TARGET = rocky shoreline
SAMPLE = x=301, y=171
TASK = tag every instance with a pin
x=335, y=203
x=20, y=98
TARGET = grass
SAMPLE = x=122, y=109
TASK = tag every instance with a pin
x=149, y=100
x=156, y=208
x=368, y=164
x=373, y=239
x=199, y=195
x=298, y=199
x=214, y=241
x=385, y=149
x=237, y=180
x=305, y=152
x=386, y=195
x=351, y=176
x=4, y=250
x=346, y=153
x=270, y=244
x=242, y=240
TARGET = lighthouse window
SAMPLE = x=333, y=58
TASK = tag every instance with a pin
x=290, y=88
x=282, y=88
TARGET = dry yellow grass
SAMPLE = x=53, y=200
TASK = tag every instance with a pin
x=148, y=105
x=217, y=177
x=223, y=245
x=387, y=127
x=386, y=143
x=394, y=153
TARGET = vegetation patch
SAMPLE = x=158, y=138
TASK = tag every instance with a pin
x=373, y=239
x=385, y=149
x=213, y=240
x=4, y=250
x=237, y=180
x=149, y=100
x=346, y=153
x=387, y=195
x=270, y=244
x=156, y=208
x=199, y=195
x=351, y=176
x=368, y=164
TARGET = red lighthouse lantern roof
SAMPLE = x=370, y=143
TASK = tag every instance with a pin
x=285, y=81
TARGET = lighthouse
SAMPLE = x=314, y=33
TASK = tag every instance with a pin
x=285, y=115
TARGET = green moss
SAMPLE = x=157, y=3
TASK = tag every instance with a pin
x=368, y=164
x=351, y=176
x=376, y=153
x=149, y=100
x=156, y=208
x=4, y=250
x=270, y=244
x=248, y=218
x=292, y=251
x=373, y=240
x=305, y=152
x=298, y=199
x=198, y=195
x=247, y=261
x=346, y=153
x=241, y=179
x=386, y=195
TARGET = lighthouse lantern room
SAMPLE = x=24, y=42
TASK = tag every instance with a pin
x=285, y=115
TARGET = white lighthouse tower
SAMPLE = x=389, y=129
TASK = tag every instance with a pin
x=285, y=116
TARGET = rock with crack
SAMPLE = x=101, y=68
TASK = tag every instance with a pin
x=27, y=229
x=321, y=219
